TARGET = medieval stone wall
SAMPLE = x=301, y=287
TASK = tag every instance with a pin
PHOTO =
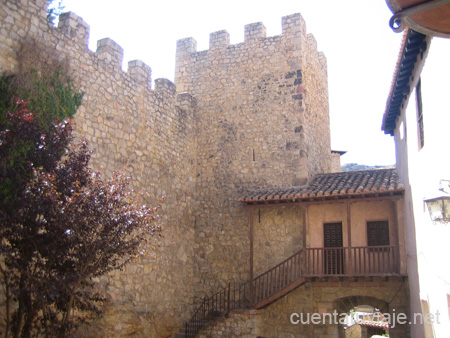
x=263, y=121
x=272, y=92
x=317, y=120
x=277, y=235
x=149, y=133
x=241, y=116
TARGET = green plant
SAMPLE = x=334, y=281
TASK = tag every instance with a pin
x=52, y=96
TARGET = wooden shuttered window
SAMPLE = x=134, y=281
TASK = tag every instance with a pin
x=333, y=252
x=378, y=233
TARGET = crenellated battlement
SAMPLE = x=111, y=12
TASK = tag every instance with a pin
x=186, y=46
x=165, y=87
x=292, y=27
x=140, y=72
x=110, y=52
x=75, y=27
x=254, y=31
x=219, y=40
x=281, y=53
x=70, y=37
x=283, y=73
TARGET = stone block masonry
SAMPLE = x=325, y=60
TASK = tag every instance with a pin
x=152, y=132
x=263, y=121
x=238, y=117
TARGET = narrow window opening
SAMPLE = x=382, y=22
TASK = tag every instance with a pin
x=259, y=215
x=253, y=152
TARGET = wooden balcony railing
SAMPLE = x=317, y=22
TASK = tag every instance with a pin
x=267, y=285
x=355, y=261
x=322, y=262
x=291, y=273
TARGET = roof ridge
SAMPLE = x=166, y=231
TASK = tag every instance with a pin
x=384, y=181
x=355, y=171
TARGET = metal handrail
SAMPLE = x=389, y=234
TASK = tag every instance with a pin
x=218, y=305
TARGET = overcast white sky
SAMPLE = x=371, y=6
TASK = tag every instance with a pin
x=355, y=36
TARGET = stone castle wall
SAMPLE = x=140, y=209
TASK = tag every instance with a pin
x=152, y=132
x=278, y=234
x=240, y=116
x=263, y=121
x=273, y=93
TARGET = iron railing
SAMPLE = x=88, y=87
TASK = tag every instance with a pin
x=218, y=305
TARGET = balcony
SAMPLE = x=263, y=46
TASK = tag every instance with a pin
x=291, y=273
x=323, y=262
x=355, y=261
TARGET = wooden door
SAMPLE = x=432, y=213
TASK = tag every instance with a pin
x=333, y=251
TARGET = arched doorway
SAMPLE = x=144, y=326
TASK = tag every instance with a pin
x=361, y=304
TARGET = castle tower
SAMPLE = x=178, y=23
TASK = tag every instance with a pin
x=263, y=121
x=263, y=103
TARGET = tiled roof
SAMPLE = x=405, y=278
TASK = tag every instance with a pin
x=413, y=45
x=374, y=320
x=352, y=184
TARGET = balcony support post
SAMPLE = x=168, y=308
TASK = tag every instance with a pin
x=304, y=216
x=349, y=240
x=251, y=234
x=396, y=253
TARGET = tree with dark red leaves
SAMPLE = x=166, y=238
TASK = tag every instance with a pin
x=60, y=227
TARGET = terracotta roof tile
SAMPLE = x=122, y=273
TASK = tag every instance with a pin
x=343, y=184
x=374, y=320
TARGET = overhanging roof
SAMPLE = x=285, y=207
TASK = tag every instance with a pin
x=343, y=185
x=413, y=46
x=429, y=17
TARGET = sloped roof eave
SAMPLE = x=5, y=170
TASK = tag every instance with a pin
x=332, y=187
x=413, y=45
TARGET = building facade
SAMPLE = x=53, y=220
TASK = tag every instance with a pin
x=416, y=115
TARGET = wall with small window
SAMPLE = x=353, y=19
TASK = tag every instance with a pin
x=367, y=215
x=366, y=219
